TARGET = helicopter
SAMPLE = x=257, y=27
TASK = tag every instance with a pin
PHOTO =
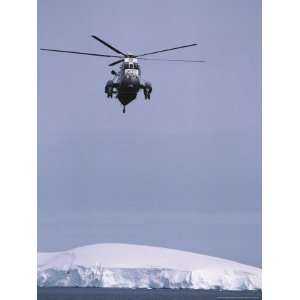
x=127, y=82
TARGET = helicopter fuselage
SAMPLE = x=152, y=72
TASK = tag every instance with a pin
x=127, y=82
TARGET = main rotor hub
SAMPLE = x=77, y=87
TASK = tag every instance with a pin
x=131, y=55
x=130, y=60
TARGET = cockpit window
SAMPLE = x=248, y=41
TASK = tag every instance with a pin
x=132, y=66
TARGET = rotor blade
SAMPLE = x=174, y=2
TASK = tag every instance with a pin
x=170, y=49
x=179, y=60
x=116, y=62
x=83, y=53
x=108, y=45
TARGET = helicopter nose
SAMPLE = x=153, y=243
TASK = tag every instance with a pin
x=132, y=81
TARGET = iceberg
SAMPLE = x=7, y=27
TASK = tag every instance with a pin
x=135, y=266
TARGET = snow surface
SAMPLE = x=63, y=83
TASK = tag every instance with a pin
x=135, y=266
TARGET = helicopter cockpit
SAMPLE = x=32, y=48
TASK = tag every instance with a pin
x=132, y=65
x=131, y=68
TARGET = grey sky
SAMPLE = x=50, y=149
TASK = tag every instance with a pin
x=181, y=171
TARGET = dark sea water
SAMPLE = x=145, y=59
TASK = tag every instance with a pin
x=128, y=294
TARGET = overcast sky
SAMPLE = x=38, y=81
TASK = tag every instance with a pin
x=181, y=171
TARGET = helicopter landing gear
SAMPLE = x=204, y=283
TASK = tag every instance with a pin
x=147, y=90
x=109, y=88
x=124, y=109
x=109, y=92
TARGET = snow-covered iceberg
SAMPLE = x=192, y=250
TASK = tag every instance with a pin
x=134, y=266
